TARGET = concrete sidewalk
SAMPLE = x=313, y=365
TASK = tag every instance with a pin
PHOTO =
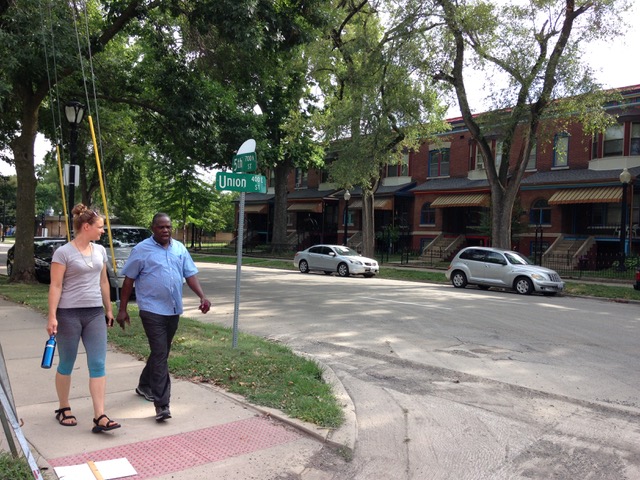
x=212, y=434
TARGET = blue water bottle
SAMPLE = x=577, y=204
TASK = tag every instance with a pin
x=49, y=350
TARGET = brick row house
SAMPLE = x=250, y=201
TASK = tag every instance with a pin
x=437, y=199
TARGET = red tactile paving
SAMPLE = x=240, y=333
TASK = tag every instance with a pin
x=186, y=450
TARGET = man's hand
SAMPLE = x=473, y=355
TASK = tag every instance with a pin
x=122, y=318
x=205, y=305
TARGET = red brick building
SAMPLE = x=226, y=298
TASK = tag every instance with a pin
x=438, y=198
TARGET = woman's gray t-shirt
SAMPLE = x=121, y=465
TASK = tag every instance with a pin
x=81, y=282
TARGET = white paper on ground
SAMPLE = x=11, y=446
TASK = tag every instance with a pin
x=109, y=469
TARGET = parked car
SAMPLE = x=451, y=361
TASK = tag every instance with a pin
x=43, y=248
x=493, y=267
x=124, y=237
x=335, y=258
x=637, y=284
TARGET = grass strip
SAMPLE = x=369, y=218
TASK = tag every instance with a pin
x=264, y=372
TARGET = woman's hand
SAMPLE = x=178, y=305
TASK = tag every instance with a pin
x=52, y=326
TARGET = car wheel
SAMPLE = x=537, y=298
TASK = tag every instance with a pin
x=484, y=287
x=459, y=279
x=343, y=270
x=9, y=269
x=303, y=266
x=523, y=286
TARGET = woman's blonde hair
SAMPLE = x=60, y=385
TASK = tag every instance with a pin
x=83, y=214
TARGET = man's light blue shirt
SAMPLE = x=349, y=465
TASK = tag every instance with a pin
x=158, y=273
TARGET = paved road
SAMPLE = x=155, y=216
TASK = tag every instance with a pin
x=459, y=384
x=456, y=384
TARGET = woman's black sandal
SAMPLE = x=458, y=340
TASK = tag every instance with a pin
x=62, y=417
x=111, y=425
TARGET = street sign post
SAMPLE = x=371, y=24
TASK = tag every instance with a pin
x=241, y=181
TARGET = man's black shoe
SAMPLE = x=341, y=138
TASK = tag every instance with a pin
x=147, y=396
x=162, y=413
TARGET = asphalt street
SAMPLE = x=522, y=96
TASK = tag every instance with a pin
x=452, y=383
x=455, y=384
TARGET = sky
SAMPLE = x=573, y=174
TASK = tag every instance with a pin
x=614, y=61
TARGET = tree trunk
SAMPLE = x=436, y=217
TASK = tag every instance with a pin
x=279, y=237
x=368, y=227
x=502, y=201
x=22, y=147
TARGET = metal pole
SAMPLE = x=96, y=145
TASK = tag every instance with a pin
x=623, y=229
x=346, y=221
x=73, y=146
x=236, y=303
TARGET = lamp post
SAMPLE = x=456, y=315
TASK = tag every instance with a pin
x=347, y=196
x=625, y=179
x=74, y=111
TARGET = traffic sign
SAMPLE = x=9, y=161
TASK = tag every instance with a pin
x=241, y=182
x=245, y=162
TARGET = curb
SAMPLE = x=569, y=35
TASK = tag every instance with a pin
x=344, y=437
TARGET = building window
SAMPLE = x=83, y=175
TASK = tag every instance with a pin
x=324, y=176
x=400, y=169
x=427, y=215
x=479, y=158
x=498, y=154
x=634, y=144
x=439, y=163
x=561, y=150
x=613, y=141
x=594, y=146
x=301, y=178
x=531, y=163
x=540, y=213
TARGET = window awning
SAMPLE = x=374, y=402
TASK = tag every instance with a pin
x=315, y=207
x=586, y=195
x=380, y=204
x=255, y=208
x=462, y=200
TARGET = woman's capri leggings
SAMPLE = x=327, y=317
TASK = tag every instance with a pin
x=89, y=325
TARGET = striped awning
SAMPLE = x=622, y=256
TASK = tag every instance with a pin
x=379, y=204
x=255, y=208
x=462, y=200
x=587, y=195
x=315, y=207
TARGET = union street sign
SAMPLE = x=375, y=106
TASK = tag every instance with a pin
x=241, y=182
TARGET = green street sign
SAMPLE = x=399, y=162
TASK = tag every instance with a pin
x=241, y=182
x=245, y=162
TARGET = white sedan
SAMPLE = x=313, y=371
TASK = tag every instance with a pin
x=335, y=258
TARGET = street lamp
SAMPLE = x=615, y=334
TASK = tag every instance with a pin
x=625, y=179
x=347, y=196
x=74, y=112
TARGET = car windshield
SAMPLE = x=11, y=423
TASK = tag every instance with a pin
x=346, y=252
x=125, y=237
x=46, y=248
x=517, y=259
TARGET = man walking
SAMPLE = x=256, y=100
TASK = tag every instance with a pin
x=158, y=266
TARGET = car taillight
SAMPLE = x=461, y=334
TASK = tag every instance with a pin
x=637, y=274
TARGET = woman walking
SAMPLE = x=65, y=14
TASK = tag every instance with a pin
x=79, y=304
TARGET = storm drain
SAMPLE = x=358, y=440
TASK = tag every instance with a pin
x=180, y=452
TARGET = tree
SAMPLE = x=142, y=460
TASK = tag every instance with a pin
x=535, y=46
x=377, y=103
x=260, y=48
x=26, y=80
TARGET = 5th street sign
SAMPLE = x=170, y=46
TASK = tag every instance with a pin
x=245, y=162
x=241, y=182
